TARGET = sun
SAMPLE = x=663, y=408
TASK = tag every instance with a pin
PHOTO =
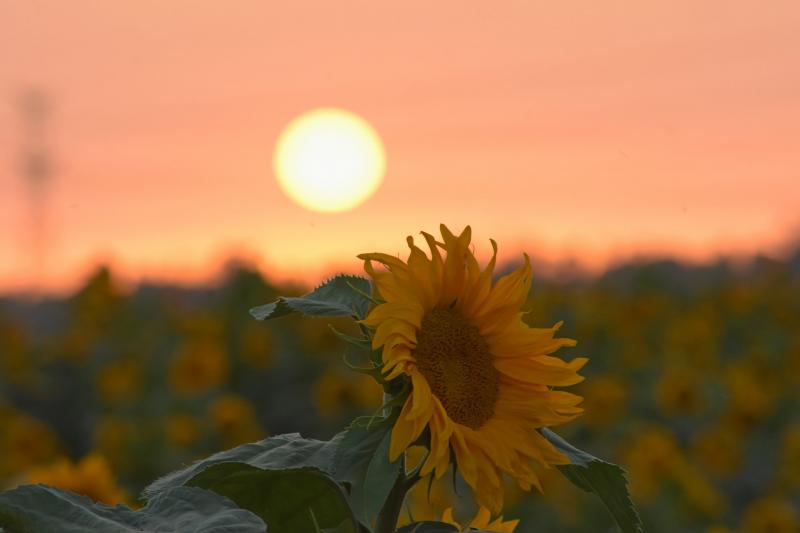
x=329, y=160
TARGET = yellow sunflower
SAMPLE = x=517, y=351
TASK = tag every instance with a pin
x=481, y=379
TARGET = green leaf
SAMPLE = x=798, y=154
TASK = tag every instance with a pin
x=607, y=480
x=282, y=451
x=428, y=527
x=39, y=508
x=339, y=296
x=362, y=461
x=358, y=457
x=289, y=500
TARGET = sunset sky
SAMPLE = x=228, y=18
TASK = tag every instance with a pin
x=593, y=130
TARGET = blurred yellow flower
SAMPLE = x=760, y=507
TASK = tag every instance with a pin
x=650, y=460
x=654, y=458
x=692, y=336
x=770, y=515
x=335, y=394
x=483, y=521
x=753, y=392
x=77, y=342
x=718, y=449
x=680, y=392
x=91, y=476
x=114, y=438
x=255, y=345
x=16, y=365
x=604, y=401
x=235, y=421
x=740, y=299
x=792, y=374
x=560, y=496
x=481, y=377
x=120, y=381
x=200, y=325
x=24, y=442
x=182, y=429
x=198, y=367
x=789, y=466
x=630, y=322
x=701, y=495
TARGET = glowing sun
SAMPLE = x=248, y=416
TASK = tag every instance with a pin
x=329, y=160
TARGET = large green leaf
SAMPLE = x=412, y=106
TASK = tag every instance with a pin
x=357, y=457
x=339, y=296
x=362, y=461
x=607, y=480
x=282, y=451
x=39, y=508
x=288, y=500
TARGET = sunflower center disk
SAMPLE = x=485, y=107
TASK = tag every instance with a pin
x=454, y=358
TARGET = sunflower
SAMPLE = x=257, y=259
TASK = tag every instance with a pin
x=481, y=380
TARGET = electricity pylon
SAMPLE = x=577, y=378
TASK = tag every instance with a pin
x=36, y=170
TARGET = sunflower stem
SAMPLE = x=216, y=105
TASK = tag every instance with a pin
x=390, y=513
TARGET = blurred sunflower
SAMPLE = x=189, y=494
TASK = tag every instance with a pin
x=198, y=366
x=651, y=457
x=91, y=476
x=770, y=515
x=654, y=458
x=115, y=437
x=481, y=381
x=16, y=364
x=120, y=381
x=718, y=449
x=605, y=401
x=256, y=346
x=790, y=456
x=25, y=441
x=234, y=419
x=336, y=394
x=182, y=429
x=753, y=393
x=680, y=392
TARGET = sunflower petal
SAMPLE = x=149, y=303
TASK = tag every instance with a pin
x=393, y=326
x=405, y=432
x=408, y=311
x=542, y=369
x=454, y=264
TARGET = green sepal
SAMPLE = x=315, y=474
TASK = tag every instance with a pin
x=373, y=371
x=365, y=343
x=607, y=480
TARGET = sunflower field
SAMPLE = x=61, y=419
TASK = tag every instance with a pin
x=692, y=386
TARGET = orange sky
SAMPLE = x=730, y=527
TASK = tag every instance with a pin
x=592, y=129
